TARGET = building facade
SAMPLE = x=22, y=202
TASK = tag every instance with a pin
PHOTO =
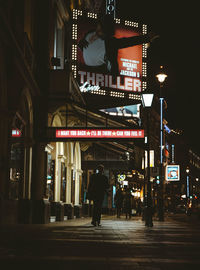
x=41, y=177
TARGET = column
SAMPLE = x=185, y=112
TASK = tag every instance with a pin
x=41, y=207
x=4, y=129
x=69, y=187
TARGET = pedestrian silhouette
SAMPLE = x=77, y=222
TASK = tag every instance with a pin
x=119, y=201
x=127, y=203
x=139, y=207
x=97, y=188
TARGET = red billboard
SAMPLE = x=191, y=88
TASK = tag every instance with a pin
x=100, y=133
x=109, y=54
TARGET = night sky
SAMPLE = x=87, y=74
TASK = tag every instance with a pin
x=177, y=49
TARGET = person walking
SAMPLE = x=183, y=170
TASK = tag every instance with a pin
x=139, y=207
x=97, y=188
x=127, y=203
x=119, y=201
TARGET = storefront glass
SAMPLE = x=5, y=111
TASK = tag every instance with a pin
x=16, y=171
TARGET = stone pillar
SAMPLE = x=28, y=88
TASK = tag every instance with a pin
x=69, y=187
x=77, y=188
x=41, y=207
x=6, y=209
x=25, y=203
x=68, y=208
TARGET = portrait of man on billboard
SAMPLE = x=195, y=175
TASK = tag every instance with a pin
x=100, y=46
x=172, y=173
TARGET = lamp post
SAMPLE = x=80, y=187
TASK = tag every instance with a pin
x=161, y=78
x=187, y=184
x=147, y=99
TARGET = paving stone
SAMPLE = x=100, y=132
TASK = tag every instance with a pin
x=117, y=244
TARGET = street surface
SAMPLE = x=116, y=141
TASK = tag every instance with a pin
x=118, y=244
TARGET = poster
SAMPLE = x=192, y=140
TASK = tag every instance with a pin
x=109, y=55
x=172, y=173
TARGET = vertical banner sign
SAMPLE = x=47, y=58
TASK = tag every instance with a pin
x=110, y=7
x=109, y=56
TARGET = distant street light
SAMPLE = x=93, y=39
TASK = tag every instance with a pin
x=147, y=100
x=161, y=78
x=187, y=170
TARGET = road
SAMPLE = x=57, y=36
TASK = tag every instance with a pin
x=118, y=244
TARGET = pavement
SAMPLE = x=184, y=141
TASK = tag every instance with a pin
x=117, y=244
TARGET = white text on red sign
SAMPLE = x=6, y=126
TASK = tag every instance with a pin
x=99, y=133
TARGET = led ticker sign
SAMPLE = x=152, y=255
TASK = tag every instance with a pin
x=99, y=133
x=108, y=60
x=172, y=173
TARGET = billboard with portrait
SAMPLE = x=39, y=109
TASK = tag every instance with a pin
x=109, y=54
x=172, y=173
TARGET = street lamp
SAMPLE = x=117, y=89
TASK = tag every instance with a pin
x=188, y=183
x=147, y=100
x=161, y=78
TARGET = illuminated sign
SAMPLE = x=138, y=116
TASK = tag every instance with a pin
x=168, y=130
x=125, y=183
x=99, y=133
x=127, y=111
x=110, y=7
x=16, y=133
x=109, y=56
x=91, y=81
x=172, y=173
x=121, y=177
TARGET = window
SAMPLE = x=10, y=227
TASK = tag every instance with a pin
x=59, y=34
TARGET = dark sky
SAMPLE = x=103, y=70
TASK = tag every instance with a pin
x=177, y=49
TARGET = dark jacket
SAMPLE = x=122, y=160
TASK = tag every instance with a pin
x=112, y=45
x=119, y=198
x=97, y=186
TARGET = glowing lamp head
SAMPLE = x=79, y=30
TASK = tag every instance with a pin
x=161, y=76
x=147, y=100
x=187, y=170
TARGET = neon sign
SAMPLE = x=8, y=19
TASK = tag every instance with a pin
x=130, y=84
x=99, y=133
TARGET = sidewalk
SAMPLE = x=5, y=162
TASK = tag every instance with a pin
x=118, y=244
